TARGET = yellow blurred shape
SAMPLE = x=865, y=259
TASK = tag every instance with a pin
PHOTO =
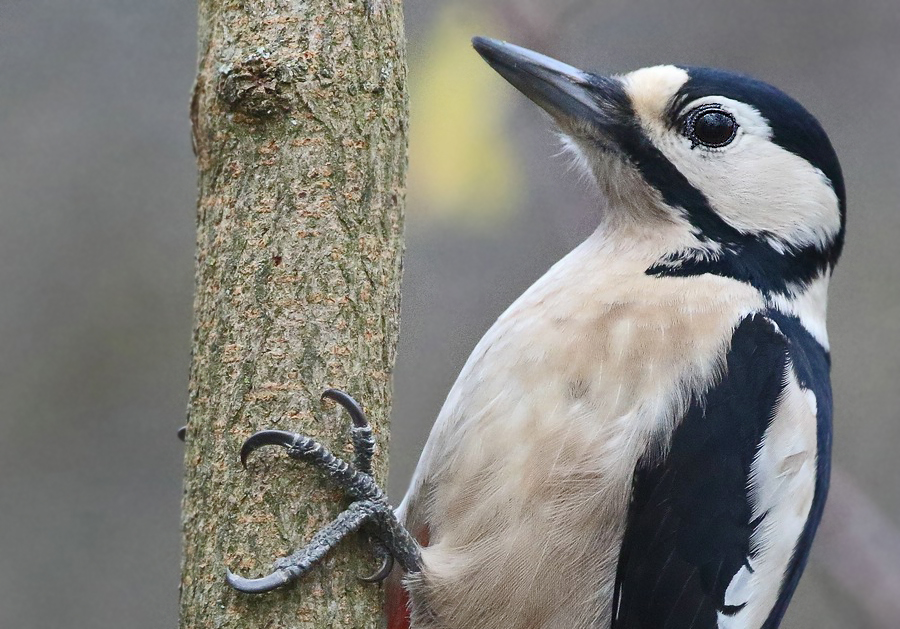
x=462, y=165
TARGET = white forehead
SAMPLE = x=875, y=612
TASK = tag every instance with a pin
x=652, y=89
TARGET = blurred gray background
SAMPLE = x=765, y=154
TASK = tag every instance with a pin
x=97, y=194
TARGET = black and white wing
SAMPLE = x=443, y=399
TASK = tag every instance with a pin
x=721, y=521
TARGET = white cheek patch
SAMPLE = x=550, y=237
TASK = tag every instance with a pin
x=760, y=187
x=754, y=184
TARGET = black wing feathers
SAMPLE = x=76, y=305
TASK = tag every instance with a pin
x=690, y=523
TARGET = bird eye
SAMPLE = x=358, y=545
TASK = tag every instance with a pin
x=711, y=126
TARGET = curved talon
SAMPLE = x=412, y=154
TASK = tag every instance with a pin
x=260, y=585
x=182, y=432
x=382, y=573
x=350, y=405
x=266, y=438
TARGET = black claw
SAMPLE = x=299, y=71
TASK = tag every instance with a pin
x=266, y=438
x=350, y=405
x=356, y=479
x=182, y=432
x=260, y=585
x=382, y=573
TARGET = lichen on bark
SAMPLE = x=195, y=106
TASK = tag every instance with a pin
x=299, y=125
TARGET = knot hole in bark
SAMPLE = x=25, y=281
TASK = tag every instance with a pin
x=256, y=87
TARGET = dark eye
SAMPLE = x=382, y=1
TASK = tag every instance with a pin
x=711, y=126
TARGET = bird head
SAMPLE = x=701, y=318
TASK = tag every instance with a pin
x=741, y=178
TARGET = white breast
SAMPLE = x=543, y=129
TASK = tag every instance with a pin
x=526, y=475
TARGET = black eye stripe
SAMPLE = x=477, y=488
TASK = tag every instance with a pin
x=710, y=126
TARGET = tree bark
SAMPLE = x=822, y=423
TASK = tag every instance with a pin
x=299, y=125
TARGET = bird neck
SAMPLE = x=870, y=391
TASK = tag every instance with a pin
x=769, y=267
x=807, y=303
x=793, y=282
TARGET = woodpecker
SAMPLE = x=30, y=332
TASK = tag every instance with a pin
x=642, y=440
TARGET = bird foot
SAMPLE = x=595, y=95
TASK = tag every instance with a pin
x=369, y=510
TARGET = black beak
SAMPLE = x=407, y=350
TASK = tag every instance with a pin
x=573, y=97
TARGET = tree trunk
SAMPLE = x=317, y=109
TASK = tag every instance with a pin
x=299, y=122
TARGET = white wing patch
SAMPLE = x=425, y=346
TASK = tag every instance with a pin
x=782, y=485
